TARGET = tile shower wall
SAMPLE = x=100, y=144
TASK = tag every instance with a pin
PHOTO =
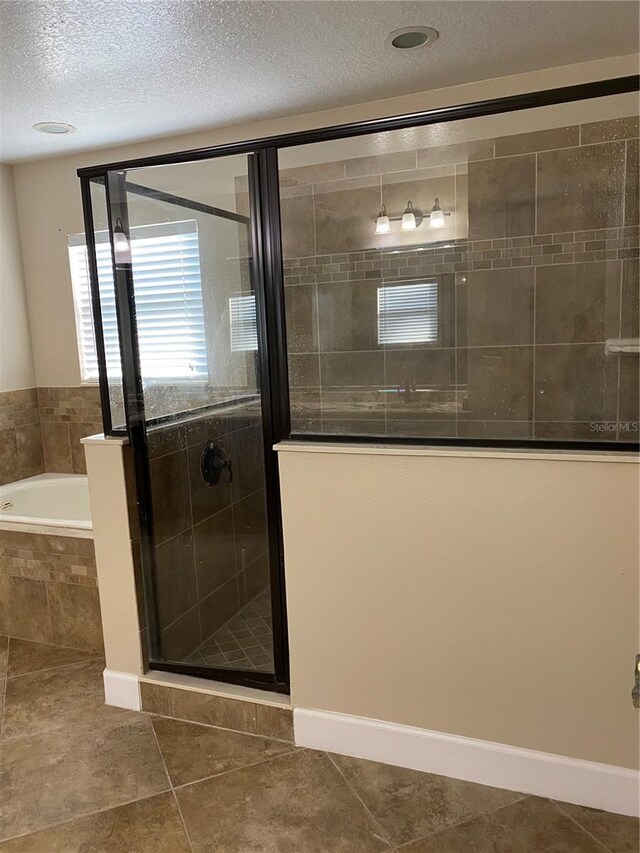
x=48, y=590
x=211, y=541
x=530, y=285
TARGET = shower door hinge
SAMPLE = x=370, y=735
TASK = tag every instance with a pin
x=635, y=693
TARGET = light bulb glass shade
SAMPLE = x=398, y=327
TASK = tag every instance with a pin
x=408, y=218
x=383, y=226
x=436, y=217
x=408, y=221
x=121, y=245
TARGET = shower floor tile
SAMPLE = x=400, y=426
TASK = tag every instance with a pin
x=244, y=642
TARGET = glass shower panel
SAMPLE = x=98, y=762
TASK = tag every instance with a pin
x=468, y=279
x=88, y=339
x=195, y=312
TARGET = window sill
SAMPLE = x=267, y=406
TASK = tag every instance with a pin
x=366, y=449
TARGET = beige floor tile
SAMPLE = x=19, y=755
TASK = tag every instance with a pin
x=62, y=774
x=294, y=803
x=408, y=804
x=193, y=751
x=59, y=697
x=617, y=832
x=26, y=656
x=147, y=826
x=529, y=826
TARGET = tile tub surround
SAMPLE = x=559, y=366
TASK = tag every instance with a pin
x=67, y=415
x=211, y=542
x=115, y=780
x=21, y=453
x=41, y=428
x=527, y=296
x=48, y=589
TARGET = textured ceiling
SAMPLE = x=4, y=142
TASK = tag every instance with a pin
x=126, y=71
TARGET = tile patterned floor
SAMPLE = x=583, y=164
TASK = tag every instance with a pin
x=244, y=642
x=79, y=777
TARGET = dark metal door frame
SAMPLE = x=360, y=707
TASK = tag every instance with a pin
x=267, y=281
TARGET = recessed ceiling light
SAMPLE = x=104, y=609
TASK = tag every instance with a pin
x=53, y=127
x=408, y=38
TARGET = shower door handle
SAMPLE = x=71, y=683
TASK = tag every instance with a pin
x=213, y=463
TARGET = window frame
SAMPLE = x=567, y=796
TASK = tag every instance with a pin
x=82, y=290
x=385, y=311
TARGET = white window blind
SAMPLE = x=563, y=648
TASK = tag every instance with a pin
x=408, y=313
x=168, y=295
x=242, y=317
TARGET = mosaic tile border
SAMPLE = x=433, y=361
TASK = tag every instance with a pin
x=569, y=247
x=39, y=557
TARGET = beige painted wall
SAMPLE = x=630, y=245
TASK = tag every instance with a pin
x=114, y=517
x=495, y=598
x=16, y=360
x=49, y=194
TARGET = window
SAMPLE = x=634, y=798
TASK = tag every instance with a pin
x=242, y=317
x=408, y=313
x=168, y=293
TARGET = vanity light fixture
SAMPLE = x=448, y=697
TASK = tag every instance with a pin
x=383, y=226
x=412, y=218
x=121, y=246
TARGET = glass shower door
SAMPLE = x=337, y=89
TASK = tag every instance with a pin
x=182, y=241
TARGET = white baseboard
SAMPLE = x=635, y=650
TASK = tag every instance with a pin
x=585, y=783
x=122, y=690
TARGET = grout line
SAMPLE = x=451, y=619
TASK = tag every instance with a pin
x=173, y=793
x=624, y=183
x=426, y=349
x=4, y=691
x=292, y=751
x=535, y=195
x=383, y=834
x=534, y=344
x=54, y=668
x=83, y=815
x=207, y=518
x=114, y=714
x=218, y=728
x=191, y=528
x=407, y=844
x=619, y=365
x=559, y=808
x=456, y=382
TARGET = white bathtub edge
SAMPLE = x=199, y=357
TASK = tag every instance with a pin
x=79, y=528
x=48, y=529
